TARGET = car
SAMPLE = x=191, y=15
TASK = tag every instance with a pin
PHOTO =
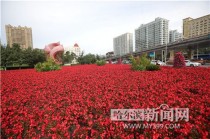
x=199, y=60
x=153, y=62
x=114, y=62
x=192, y=64
x=158, y=62
x=126, y=62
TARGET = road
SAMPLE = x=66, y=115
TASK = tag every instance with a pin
x=206, y=65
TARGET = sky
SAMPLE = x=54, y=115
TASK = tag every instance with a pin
x=93, y=24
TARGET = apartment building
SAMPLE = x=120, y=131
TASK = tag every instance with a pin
x=196, y=27
x=174, y=35
x=123, y=44
x=150, y=35
x=19, y=35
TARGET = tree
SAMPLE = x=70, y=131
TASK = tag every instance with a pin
x=4, y=55
x=74, y=56
x=18, y=56
x=67, y=58
x=38, y=56
x=80, y=58
x=33, y=56
x=87, y=59
x=13, y=55
x=28, y=56
x=98, y=57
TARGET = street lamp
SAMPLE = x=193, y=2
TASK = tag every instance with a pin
x=197, y=51
x=166, y=53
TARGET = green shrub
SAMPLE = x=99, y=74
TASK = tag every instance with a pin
x=38, y=66
x=49, y=65
x=100, y=62
x=133, y=63
x=144, y=61
x=152, y=67
x=139, y=63
x=140, y=67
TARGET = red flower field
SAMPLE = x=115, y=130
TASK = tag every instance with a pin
x=75, y=102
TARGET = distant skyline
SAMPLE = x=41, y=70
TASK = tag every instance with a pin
x=93, y=24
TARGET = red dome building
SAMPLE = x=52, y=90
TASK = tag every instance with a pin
x=76, y=45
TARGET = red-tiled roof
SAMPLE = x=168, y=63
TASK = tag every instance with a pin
x=76, y=45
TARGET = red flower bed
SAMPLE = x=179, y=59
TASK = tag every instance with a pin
x=76, y=101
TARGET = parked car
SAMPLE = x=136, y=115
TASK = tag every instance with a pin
x=153, y=62
x=192, y=64
x=126, y=62
x=114, y=62
x=158, y=62
x=199, y=60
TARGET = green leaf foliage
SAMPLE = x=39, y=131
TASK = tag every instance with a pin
x=152, y=67
x=100, y=62
x=142, y=63
x=14, y=55
x=49, y=65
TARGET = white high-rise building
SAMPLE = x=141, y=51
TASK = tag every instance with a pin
x=150, y=35
x=123, y=44
x=174, y=35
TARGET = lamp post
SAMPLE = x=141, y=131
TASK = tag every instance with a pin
x=197, y=51
x=119, y=59
x=166, y=53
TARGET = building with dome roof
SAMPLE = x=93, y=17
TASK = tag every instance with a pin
x=74, y=49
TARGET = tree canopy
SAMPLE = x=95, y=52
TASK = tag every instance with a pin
x=68, y=57
x=16, y=56
x=89, y=58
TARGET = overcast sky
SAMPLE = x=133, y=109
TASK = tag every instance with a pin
x=93, y=24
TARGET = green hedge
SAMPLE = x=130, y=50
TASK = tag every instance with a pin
x=152, y=67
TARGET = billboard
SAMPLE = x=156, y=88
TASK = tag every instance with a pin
x=152, y=54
